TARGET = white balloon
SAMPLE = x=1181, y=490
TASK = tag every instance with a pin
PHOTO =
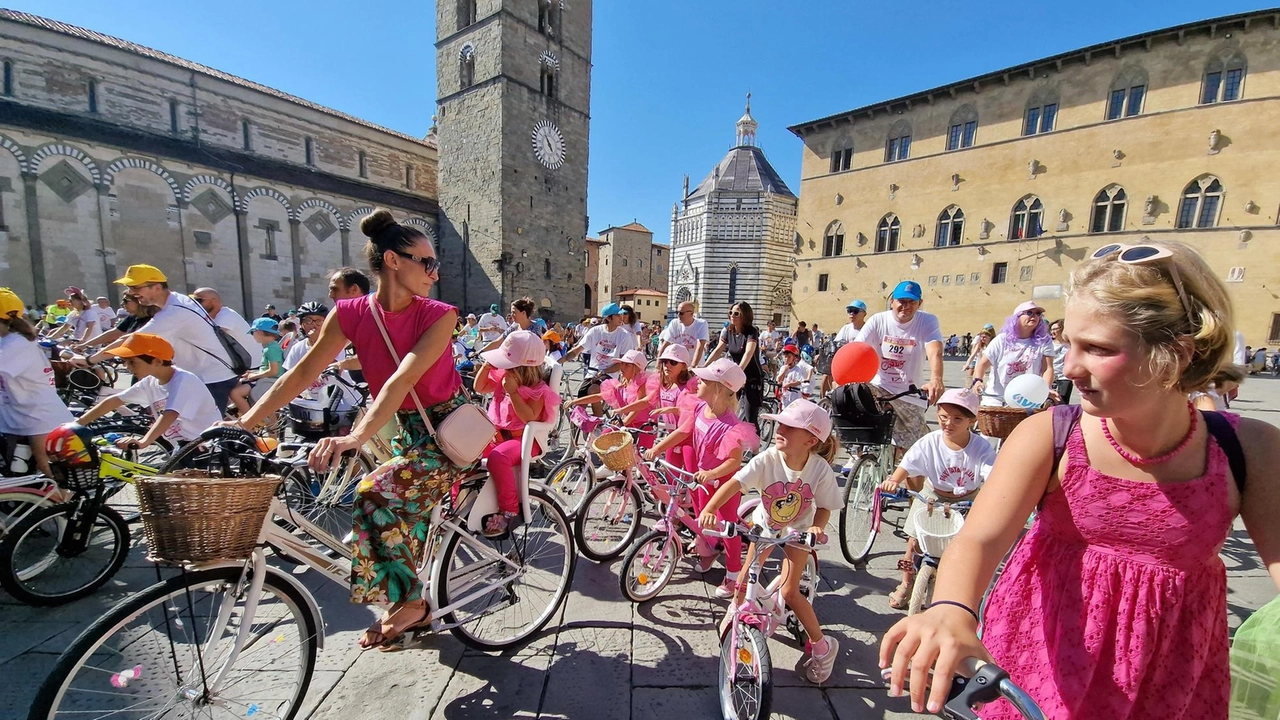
x=1026, y=391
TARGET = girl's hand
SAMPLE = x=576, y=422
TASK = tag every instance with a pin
x=703, y=477
x=708, y=520
x=129, y=442
x=819, y=533
x=650, y=455
x=889, y=486
x=938, y=639
x=329, y=449
x=510, y=384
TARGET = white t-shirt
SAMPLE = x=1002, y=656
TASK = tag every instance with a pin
x=1008, y=361
x=90, y=323
x=196, y=348
x=317, y=394
x=239, y=329
x=771, y=339
x=958, y=472
x=183, y=394
x=29, y=404
x=902, y=350
x=605, y=347
x=802, y=372
x=789, y=499
x=491, y=326
x=108, y=318
x=847, y=334
x=1240, y=354
x=677, y=333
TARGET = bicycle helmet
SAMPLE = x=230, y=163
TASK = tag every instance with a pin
x=71, y=444
x=807, y=349
x=312, y=308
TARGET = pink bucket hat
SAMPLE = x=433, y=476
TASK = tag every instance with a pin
x=520, y=348
x=806, y=415
x=960, y=398
x=724, y=371
x=677, y=353
x=635, y=357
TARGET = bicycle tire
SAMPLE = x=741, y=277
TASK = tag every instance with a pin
x=738, y=705
x=18, y=572
x=857, y=512
x=637, y=586
x=59, y=684
x=222, y=457
x=546, y=518
x=570, y=481
x=606, y=532
x=332, y=514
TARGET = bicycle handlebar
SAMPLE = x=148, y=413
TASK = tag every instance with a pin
x=979, y=682
x=730, y=529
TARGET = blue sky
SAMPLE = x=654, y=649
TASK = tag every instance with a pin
x=670, y=76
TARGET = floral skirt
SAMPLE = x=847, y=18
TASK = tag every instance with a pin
x=392, y=511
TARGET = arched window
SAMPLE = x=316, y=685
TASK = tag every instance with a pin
x=888, y=233
x=466, y=67
x=586, y=297
x=733, y=284
x=950, y=227
x=1027, y=220
x=964, y=127
x=1200, y=203
x=546, y=268
x=1223, y=77
x=833, y=240
x=547, y=81
x=898, y=146
x=1042, y=111
x=1108, y=210
x=841, y=154
x=1127, y=92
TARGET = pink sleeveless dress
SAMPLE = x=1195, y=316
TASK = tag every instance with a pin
x=1115, y=604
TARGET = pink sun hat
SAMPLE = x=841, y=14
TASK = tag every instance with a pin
x=519, y=349
x=805, y=415
x=724, y=371
x=675, y=353
x=1026, y=306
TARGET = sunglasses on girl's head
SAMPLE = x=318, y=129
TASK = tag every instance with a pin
x=429, y=264
x=1147, y=255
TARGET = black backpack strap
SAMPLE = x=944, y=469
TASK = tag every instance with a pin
x=1225, y=435
x=1065, y=418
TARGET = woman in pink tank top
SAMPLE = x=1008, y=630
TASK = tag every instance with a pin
x=393, y=503
x=1114, y=604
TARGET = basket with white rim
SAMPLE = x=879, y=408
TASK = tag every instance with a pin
x=936, y=524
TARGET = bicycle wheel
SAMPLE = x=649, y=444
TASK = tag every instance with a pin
x=746, y=675
x=649, y=565
x=17, y=503
x=37, y=569
x=858, y=513
x=569, y=482
x=519, y=600
x=608, y=521
x=146, y=658
x=327, y=500
x=225, y=456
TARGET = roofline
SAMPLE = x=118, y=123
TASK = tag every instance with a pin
x=926, y=96
x=641, y=292
x=24, y=18
x=622, y=227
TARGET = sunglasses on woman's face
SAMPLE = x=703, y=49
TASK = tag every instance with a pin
x=666, y=362
x=1147, y=255
x=429, y=264
x=1034, y=313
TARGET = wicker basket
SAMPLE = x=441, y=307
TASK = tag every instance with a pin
x=616, y=450
x=199, y=518
x=998, y=422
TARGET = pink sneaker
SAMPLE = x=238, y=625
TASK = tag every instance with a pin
x=728, y=588
x=817, y=668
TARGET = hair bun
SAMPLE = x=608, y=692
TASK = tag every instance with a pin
x=374, y=224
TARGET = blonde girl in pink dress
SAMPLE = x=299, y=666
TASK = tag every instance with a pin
x=628, y=394
x=1114, y=604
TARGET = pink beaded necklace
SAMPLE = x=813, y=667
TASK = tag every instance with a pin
x=1136, y=460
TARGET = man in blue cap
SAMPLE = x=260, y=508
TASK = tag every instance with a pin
x=906, y=338
x=491, y=326
x=857, y=311
x=605, y=343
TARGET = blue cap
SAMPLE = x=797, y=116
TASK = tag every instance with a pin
x=266, y=325
x=907, y=290
x=856, y=304
x=612, y=308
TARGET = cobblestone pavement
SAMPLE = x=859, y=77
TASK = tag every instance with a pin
x=605, y=657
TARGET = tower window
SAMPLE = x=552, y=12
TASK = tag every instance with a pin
x=733, y=284
x=547, y=81
x=408, y=176
x=309, y=148
x=246, y=134
x=548, y=18
x=466, y=13
x=8, y=78
x=363, y=162
x=466, y=67
x=173, y=116
x=546, y=269
x=93, y=96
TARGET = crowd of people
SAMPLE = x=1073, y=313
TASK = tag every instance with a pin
x=1113, y=605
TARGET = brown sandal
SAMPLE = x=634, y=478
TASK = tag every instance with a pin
x=900, y=598
x=383, y=629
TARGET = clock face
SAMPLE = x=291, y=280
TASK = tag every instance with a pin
x=548, y=144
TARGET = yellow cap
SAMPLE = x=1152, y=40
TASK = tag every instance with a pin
x=142, y=275
x=9, y=302
x=143, y=344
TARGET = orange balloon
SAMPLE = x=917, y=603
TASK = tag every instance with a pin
x=855, y=362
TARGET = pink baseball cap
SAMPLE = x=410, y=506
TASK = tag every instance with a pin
x=960, y=398
x=635, y=357
x=1028, y=305
x=806, y=415
x=724, y=371
x=677, y=353
x=520, y=348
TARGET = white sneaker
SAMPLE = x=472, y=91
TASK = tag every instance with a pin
x=728, y=588
x=702, y=563
x=817, y=668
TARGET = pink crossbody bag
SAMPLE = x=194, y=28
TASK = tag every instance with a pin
x=464, y=433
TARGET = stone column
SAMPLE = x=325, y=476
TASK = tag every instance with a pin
x=246, y=282
x=39, y=282
x=346, y=246
x=106, y=213
x=295, y=250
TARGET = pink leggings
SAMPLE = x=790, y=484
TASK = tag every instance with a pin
x=503, y=460
x=729, y=512
x=681, y=456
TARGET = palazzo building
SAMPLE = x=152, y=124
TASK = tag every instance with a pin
x=988, y=191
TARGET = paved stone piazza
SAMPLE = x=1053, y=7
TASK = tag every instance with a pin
x=604, y=659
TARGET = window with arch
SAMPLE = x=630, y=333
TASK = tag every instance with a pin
x=1200, y=203
x=1042, y=112
x=1027, y=219
x=547, y=80
x=1223, y=77
x=1127, y=93
x=963, y=128
x=8, y=78
x=1108, y=210
x=548, y=17
x=888, y=232
x=898, y=146
x=833, y=240
x=466, y=13
x=950, y=227
x=733, y=284
x=841, y=154
x=466, y=67
x=546, y=268
x=93, y=96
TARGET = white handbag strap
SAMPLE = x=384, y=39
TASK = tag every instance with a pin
x=377, y=319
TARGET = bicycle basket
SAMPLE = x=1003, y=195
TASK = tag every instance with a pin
x=82, y=479
x=616, y=450
x=82, y=379
x=999, y=422
x=857, y=418
x=935, y=529
x=191, y=517
x=583, y=419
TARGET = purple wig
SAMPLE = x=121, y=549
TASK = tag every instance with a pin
x=1040, y=337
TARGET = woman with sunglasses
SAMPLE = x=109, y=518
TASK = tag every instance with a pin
x=394, y=502
x=1114, y=604
x=1022, y=346
x=741, y=339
